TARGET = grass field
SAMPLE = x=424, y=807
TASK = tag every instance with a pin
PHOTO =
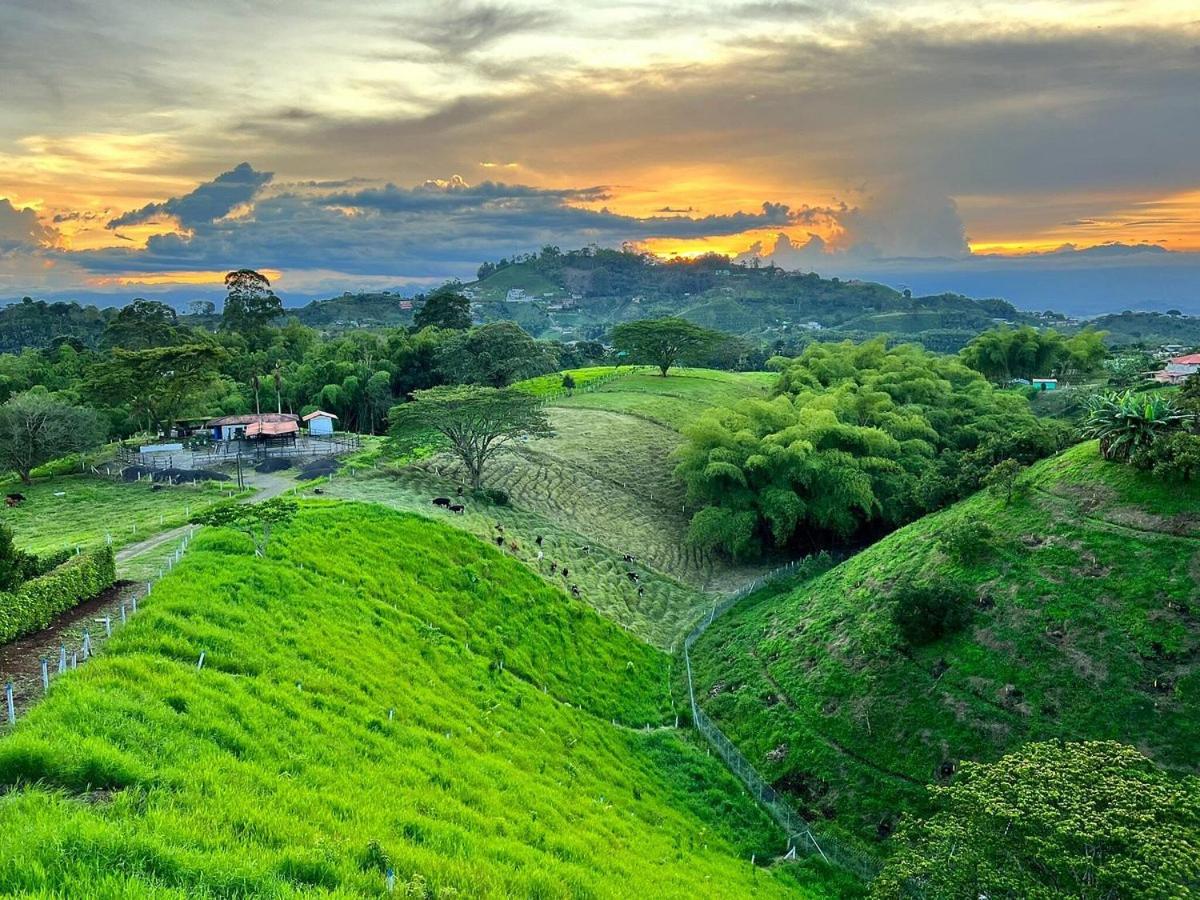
x=604, y=481
x=91, y=509
x=548, y=385
x=1086, y=624
x=380, y=692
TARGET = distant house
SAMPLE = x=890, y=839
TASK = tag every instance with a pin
x=517, y=295
x=406, y=305
x=1178, y=369
x=255, y=425
x=320, y=422
x=1045, y=384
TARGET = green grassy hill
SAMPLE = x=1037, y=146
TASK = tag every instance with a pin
x=603, y=481
x=1085, y=623
x=379, y=692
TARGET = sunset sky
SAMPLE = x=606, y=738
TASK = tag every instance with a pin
x=1045, y=150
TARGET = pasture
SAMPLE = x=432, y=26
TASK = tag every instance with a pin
x=81, y=510
x=381, y=693
x=1081, y=624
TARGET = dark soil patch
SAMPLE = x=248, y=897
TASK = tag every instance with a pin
x=318, y=468
x=273, y=464
x=20, y=660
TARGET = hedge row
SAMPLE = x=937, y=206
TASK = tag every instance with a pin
x=34, y=604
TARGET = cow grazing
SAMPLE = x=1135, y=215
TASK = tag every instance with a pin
x=538, y=540
x=629, y=557
x=553, y=567
x=633, y=576
x=441, y=501
x=457, y=508
x=14, y=499
x=575, y=590
x=500, y=540
x=641, y=591
x=566, y=573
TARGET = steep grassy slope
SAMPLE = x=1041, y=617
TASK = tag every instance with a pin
x=517, y=762
x=1086, y=624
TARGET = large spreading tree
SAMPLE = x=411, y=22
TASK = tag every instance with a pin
x=444, y=309
x=472, y=423
x=158, y=384
x=37, y=427
x=664, y=342
x=1085, y=820
x=250, y=304
x=495, y=355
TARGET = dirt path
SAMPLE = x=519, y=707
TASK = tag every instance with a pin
x=267, y=485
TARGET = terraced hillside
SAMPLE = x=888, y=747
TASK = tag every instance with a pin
x=380, y=693
x=1084, y=622
x=603, y=482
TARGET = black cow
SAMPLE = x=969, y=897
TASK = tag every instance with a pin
x=629, y=557
x=14, y=499
x=441, y=501
x=458, y=509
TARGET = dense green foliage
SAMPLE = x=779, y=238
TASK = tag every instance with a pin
x=1088, y=820
x=378, y=692
x=856, y=436
x=1083, y=626
x=1128, y=424
x=1003, y=354
x=444, y=309
x=37, y=427
x=34, y=604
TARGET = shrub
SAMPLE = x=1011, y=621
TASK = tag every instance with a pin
x=966, y=541
x=34, y=604
x=496, y=496
x=924, y=613
x=1172, y=457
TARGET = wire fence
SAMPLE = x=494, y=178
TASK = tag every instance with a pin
x=801, y=838
x=69, y=657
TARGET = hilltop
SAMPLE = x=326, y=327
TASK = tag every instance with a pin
x=379, y=692
x=1082, y=623
x=581, y=293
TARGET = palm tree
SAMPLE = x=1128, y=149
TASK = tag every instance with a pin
x=1126, y=422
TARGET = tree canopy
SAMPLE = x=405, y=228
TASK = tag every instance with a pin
x=142, y=324
x=37, y=427
x=1003, y=354
x=855, y=436
x=473, y=423
x=664, y=342
x=495, y=355
x=250, y=304
x=1087, y=820
x=444, y=309
x=157, y=384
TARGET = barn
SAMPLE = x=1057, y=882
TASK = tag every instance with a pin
x=274, y=426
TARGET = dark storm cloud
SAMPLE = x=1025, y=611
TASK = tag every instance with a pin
x=444, y=228
x=205, y=204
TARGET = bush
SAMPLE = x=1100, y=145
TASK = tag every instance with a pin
x=924, y=613
x=966, y=541
x=495, y=496
x=34, y=604
x=1172, y=457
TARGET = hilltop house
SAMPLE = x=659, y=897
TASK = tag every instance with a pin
x=517, y=295
x=1178, y=369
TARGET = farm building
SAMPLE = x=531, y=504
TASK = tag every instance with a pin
x=273, y=426
x=1178, y=369
x=320, y=422
x=1045, y=384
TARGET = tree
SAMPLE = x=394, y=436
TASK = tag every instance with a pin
x=924, y=613
x=1173, y=457
x=250, y=304
x=663, y=342
x=253, y=519
x=36, y=427
x=444, y=309
x=568, y=383
x=495, y=355
x=1005, y=478
x=473, y=423
x=142, y=324
x=1087, y=820
x=1126, y=423
x=159, y=383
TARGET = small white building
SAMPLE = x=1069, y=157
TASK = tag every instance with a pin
x=320, y=422
x=517, y=295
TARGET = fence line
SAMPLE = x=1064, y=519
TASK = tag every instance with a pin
x=86, y=649
x=799, y=831
x=589, y=386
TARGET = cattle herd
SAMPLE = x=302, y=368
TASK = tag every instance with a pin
x=514, y=547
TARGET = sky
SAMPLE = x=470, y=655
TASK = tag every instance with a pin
x=1042, y=151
